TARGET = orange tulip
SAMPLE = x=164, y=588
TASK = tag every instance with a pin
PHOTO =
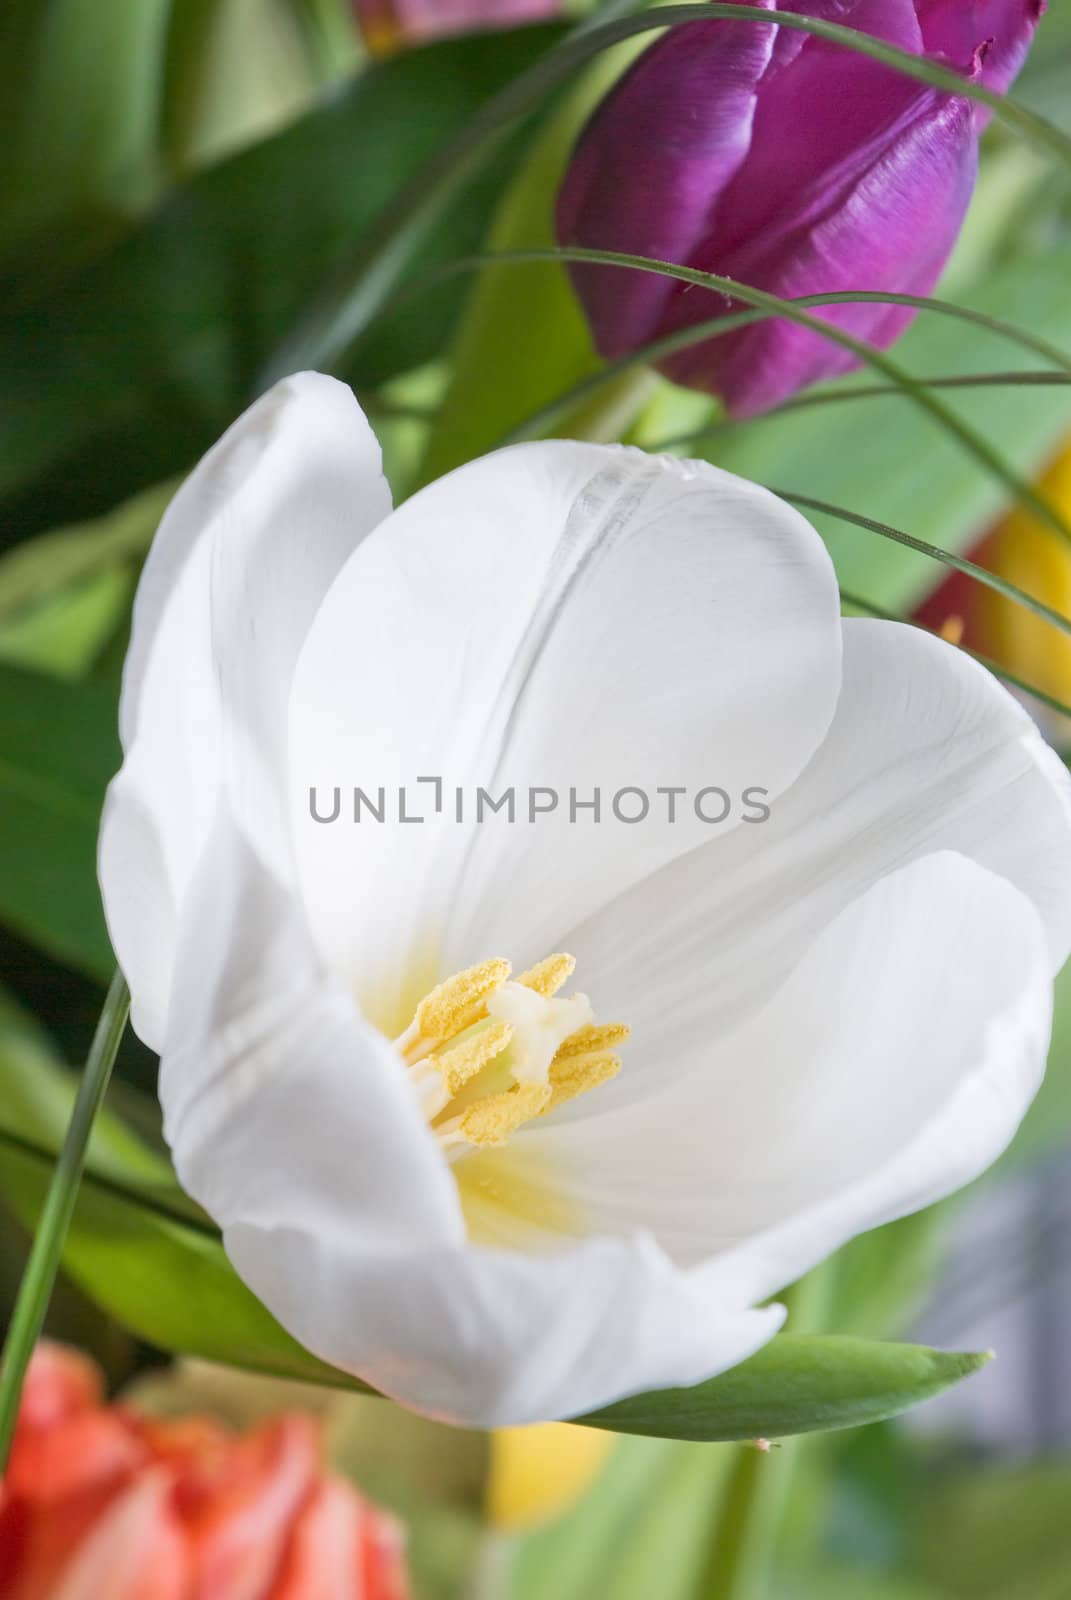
x=99, y=1503
x=386, y=24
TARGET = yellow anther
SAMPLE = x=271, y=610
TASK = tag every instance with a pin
x=459, y=1002
x=952, y=630
x=492, y=1120
x=485, y=1055
x=460, y=1064
x=547, y=977
x=579, y=1074
x=596, y=1036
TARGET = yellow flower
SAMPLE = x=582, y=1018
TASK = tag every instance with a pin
x=540, y=1471
x=1028, y=553
x=1032, y=556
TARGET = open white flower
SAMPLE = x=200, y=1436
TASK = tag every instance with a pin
x=439, y=1166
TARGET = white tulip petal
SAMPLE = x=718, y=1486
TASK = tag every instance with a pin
x=243, y=557
x=492, y=1339
x=927, y=752
x=282, y=1106
x=891, y=1068
x=522, y=623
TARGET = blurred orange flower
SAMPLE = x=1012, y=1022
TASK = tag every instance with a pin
x=99, y=1503
x=388, y=23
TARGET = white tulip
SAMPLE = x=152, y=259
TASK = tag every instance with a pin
x=439, y=1174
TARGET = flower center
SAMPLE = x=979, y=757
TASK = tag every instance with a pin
x=486, y=1053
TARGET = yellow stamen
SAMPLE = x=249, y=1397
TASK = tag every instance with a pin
x=596, y=1036
x=491, y=1121
x=455, y=1005
x=547, y=977
x=460, y=1065
x=485, y=1055
x=952, y=630
x=576, y=1075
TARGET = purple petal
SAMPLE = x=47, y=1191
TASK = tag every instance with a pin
x=892, y=228
x=995, y=33
x=651, y=165
x=819, y=121
x=894, y=21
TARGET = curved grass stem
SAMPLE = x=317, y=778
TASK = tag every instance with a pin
x=35, y=1290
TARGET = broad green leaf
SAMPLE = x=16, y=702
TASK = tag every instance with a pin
x=37, y=1094
x=147, y=353
x=80, y=85
x=333, y=36
x=65, y=633
x=236, y=71
x=37, y=568
x=59, y=746
x=131, y=1247
x=165, y=1279
x=798, y=1383
x=523, y=338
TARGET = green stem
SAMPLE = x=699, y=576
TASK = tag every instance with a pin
x=35, y=1290
x=753, y=1508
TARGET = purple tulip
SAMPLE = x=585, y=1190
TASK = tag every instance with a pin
x=790, y=164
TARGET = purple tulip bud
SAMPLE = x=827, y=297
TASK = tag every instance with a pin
x=790, y=164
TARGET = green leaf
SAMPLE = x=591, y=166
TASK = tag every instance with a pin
x=34, y=570
x=174, y=323
x=67, y=632
x=37, y=1093
x=59, y=746
x=236, y=71
x=162, y=1277
x=80, y=84
x=523, y=338
x=160, y=1272
x=798, y=1383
